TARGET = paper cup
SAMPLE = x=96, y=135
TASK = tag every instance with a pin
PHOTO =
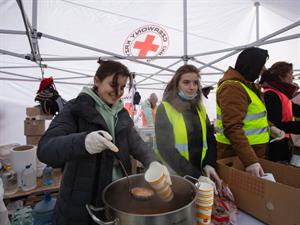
x=158, y=181
x=204, y=202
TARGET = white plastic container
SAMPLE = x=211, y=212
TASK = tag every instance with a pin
x=28, y=178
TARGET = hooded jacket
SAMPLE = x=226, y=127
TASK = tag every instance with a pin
x=85, y=176
x=233, y=101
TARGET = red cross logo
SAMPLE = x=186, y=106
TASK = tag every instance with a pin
x=146, y=45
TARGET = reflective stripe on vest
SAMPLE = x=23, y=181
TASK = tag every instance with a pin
x=255, y=123
x=180, y=132
x=286, y=106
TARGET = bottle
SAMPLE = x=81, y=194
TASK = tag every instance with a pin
x=28, y=178
x=10, y=180
x=43, y=210
x=48, y=175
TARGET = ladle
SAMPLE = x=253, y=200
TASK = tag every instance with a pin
x=139, y=193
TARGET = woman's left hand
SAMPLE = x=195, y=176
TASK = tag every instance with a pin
x=212, y=174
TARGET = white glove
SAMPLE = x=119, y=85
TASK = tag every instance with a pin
x=212, y=174
x=255, y=169
x=97, y=141
x=153, y=165
x=276, y=133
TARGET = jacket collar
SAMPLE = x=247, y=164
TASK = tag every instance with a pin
x=84, y=108
x=232, y=74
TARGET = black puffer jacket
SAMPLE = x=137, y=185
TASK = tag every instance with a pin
x=85, y=175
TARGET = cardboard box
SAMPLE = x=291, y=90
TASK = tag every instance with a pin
x=37, y=113
x=33, y=139
x=273, y=203
x=34, y=127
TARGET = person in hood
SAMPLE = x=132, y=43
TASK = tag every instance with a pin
x=184, y=136
x=279, y=90
x=242, y=126
x=85, y=137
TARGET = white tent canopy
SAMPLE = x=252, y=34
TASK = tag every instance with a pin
x=70, y=35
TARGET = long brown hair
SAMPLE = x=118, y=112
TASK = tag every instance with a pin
x=276, y=71
x=110, y=67
x=171, y=91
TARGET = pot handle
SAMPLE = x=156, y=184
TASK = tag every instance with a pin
x=91, y=208
x=188, y=177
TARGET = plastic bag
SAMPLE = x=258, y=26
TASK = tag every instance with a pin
x=224, y=211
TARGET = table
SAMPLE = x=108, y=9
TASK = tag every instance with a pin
x=246, y=219
x=40, y=188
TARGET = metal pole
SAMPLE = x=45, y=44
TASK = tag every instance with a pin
x=34, y=14
x=117, y=56
x=256, y=43
x=185, y=50
x=27, y=27
x=257, y=4
x=293, y=25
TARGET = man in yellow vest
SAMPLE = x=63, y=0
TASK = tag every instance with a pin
x=242, y=125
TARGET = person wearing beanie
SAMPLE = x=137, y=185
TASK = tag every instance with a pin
x=242, y=127
x=279, y=90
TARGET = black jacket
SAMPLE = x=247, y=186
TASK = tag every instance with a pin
x=85, y=176
x=166, y=143
x=280, y=150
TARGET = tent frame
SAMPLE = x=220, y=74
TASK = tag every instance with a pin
x=35, y=56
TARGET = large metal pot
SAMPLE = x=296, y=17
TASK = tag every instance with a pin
x=122, y=209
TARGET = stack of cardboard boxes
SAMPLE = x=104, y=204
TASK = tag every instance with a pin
x=34, y=124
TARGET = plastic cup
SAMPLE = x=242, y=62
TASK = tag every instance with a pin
x=158, y=181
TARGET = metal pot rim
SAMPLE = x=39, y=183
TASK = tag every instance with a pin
x=146, y=215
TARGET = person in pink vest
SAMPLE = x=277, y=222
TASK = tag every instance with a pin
x=279, y=89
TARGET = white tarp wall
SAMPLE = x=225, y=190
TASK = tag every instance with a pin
x=104, y=25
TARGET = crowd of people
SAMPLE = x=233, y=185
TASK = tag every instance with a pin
x=94, y=130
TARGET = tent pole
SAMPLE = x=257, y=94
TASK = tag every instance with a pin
x=257, y=4
x=27, y=27
x=160, y=71
x=4, y=52
x=293, y=25
x=34, y=15
x=258, y=42
x=74, y=58
x=12, y=32
x=117, y=56
x=19, y=75
x=185, y=51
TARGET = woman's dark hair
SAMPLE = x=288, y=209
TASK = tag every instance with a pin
x=276, y=71
x=171, y=90
x=110, y=67
x=250, y=62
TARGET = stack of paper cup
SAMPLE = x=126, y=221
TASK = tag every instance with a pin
x=158, y=181
x=204, y=203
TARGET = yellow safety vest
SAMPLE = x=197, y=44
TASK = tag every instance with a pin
x=180, y=132
x=255, y=123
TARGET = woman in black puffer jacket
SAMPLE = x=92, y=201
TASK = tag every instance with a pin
x=82, y=138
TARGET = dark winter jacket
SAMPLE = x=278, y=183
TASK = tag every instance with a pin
x=166, y=141
x=85, y=176
x=280, y=150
